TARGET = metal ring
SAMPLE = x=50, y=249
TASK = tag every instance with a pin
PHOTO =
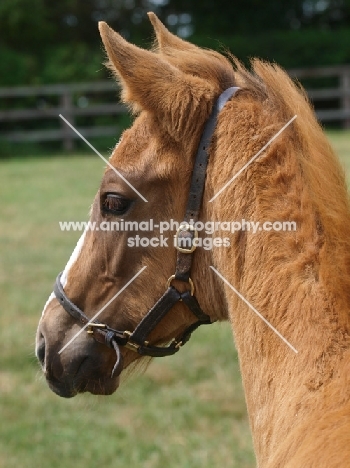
x=172, y=277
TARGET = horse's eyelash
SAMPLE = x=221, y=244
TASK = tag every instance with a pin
x=114, y=203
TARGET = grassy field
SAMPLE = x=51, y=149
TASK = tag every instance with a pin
x=186, y=411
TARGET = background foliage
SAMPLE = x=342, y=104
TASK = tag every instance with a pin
x=47, y=42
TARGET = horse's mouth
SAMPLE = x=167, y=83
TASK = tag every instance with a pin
x=95, y=387
x=62, y=389
x=87, y=378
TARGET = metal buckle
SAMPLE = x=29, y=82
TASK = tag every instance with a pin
x=176, y=344
x=186, y=227
x=131, y=344
x=92, y=325
x=172, y=277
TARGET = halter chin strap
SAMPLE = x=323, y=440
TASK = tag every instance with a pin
x=185, y=243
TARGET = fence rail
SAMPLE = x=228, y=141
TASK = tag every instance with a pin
x=341, y=93
x=89, y=99
x=69, y=105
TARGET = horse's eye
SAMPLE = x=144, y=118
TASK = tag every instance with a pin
x=114, y=204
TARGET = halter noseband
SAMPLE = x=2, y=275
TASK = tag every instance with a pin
x=137, y=340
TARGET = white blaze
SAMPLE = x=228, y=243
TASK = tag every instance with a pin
x=73, y=258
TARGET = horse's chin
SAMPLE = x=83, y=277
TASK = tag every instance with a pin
x=102, y=388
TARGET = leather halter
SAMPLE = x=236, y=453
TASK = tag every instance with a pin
x=186, y=234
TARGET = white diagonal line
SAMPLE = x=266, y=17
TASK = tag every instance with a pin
x=253, y=159
x=102, y=309
x=104, y=159
x=254, y=310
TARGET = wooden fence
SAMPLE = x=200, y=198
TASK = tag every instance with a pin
x=72, y=101
x=100, y=99
x=339, y=93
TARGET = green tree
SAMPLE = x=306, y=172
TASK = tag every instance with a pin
x=45, y=41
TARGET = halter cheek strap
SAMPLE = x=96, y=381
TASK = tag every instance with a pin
x=185, y=243
x=184, y=260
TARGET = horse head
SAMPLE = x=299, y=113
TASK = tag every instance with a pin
x=172, y=90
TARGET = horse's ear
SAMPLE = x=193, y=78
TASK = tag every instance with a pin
x=165, y=39
x=191, y=59
x=179, y=101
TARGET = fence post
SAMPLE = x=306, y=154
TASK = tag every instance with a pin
x=345, y=86
x=66, y=103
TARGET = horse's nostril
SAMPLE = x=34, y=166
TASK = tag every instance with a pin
x=40, y=350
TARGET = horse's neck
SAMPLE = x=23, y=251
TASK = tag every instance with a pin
x=278, y=273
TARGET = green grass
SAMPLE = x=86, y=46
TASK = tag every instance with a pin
x=185, y=411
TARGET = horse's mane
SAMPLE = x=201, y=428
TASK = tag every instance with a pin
x=322, y=174
x=321, y=169
x=269, y=83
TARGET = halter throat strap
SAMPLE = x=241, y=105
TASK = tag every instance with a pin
x=186, y=235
